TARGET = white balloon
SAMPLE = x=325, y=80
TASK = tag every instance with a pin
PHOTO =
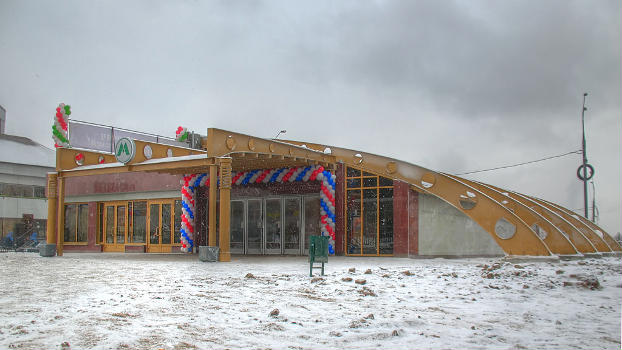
x=240, y=179
x=280, y=177
x=254, y=177
x=295, y=175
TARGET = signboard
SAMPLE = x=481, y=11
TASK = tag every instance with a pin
x=125, y=150
x=104, y=138
x=94, y=137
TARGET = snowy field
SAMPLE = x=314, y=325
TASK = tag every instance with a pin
x=145, y=301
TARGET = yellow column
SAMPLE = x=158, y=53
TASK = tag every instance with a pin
x=211, y=207
x=50, y=235
x=225, y=204
x=60, y=224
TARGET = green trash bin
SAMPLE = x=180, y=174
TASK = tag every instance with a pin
x=318, y=252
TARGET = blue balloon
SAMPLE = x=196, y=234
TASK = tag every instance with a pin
x=329, y=179
x=187, y=207
x=248, y=176
x=199, y=178
x=276, y=174
x=302, y=173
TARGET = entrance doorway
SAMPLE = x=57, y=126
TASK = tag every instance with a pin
x=274, y=225
x=114, y=226
x=140, y=225
x=160, y=217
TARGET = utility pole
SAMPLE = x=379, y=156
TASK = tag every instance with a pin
x=582, y=172
x=593, y=202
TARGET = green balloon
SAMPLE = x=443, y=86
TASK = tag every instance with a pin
x=67, y=110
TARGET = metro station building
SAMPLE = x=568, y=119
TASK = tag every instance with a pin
x=250, y=195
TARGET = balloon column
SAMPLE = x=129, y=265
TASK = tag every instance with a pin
x=59, y=129
x=327, y=209
x=189, y=183
x=317, y=172
x=181, y=134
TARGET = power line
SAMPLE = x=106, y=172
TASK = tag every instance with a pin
x=519, y=164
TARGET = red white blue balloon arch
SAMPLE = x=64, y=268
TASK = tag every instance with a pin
x=191, y=182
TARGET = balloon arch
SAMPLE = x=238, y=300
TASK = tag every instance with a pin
x=191, y=182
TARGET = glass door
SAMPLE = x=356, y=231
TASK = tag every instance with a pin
x=273, y=226
x=292, y=219
x=311, y=220
x=115, y=227
x=237, y=227
x=254, y=226
x=160, y=219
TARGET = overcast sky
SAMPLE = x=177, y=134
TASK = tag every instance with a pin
x=453, y=86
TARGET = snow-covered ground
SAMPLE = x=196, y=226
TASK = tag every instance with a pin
x=146, y=301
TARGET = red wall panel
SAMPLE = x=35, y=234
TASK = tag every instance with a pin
x=400, y=218
x=340, y=223
x=122, y=182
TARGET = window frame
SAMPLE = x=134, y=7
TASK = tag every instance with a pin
x=76, y=222
x=129, y=216
x=362, y=175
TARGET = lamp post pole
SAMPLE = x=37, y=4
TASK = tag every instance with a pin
x=593, y=202
x=585, y=178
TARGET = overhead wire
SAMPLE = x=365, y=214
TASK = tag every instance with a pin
x=519, y=164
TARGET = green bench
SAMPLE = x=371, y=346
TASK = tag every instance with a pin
x=318, y=252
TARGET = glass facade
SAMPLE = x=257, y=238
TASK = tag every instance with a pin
x=76, y=223
x=137, y=211
x=273, y=225
x=177, y=222
x=22, y=191
x=312, y=219
x=152, y=223
x=369, y=213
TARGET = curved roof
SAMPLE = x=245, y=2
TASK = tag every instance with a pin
x=521, y=225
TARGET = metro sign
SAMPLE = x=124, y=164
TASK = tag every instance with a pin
x=125, y=150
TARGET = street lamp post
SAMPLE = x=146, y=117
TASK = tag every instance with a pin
x=582, y=172
x=593, y=202
x=280, y=132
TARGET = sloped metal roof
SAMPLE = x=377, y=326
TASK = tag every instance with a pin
x=22, y=150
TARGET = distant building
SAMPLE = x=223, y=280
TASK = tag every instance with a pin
x=24, y=165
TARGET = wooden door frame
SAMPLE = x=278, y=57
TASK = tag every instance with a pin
x=114, y=247
x=160, y=247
